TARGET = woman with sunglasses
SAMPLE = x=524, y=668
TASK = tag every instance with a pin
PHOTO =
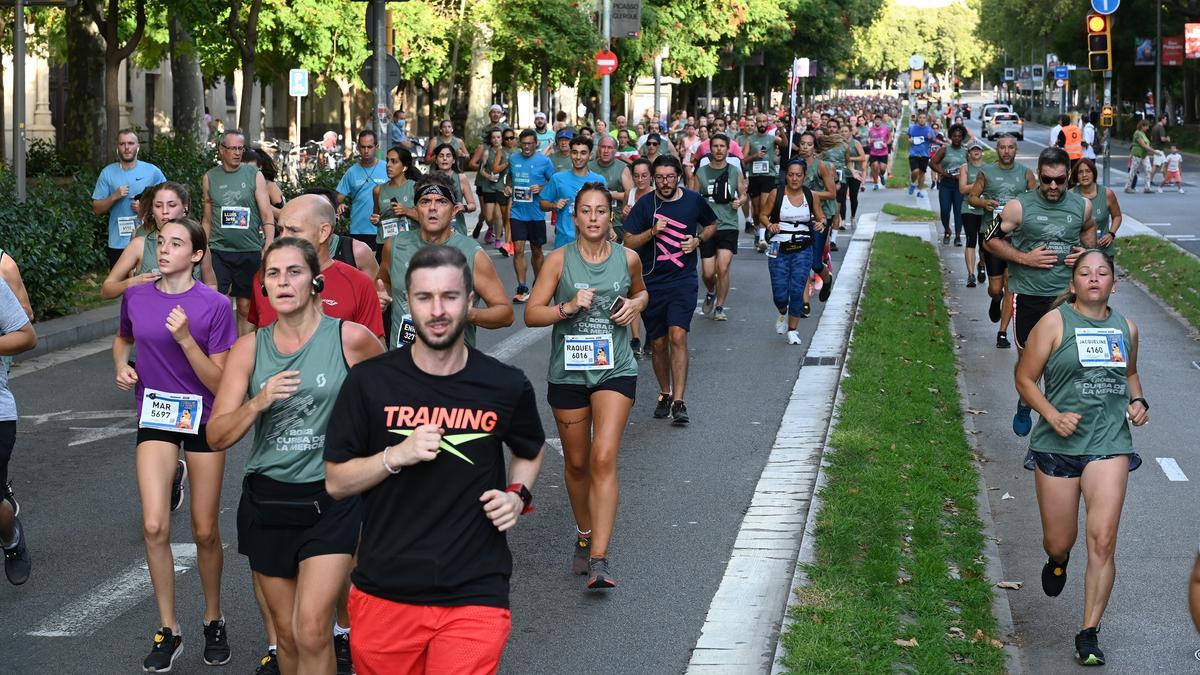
x=590, y=291
x=444, y=163
x=509, y=142
x=972, y=216
x=643, y=184
x=1086, y=353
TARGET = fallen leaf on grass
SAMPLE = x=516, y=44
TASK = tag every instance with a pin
x=972, y=411
x=1010, y=585
x=906, y=643
x=980, y=636
x=956, y=633
x=1007, y=496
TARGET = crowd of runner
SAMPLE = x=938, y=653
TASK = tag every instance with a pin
x=375, y=493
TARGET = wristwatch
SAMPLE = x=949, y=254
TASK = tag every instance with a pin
x=525, y=495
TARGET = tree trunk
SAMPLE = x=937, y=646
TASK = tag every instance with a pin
x=187, y=85
x=347, y=112
x=247, y=44
x=84, y=124
x=480, y=97
x=246, y=111
x=114, y=53
x=3, y=135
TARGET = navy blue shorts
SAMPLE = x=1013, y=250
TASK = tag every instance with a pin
x=1070, y=466
x=669, y=306
x=532, y=231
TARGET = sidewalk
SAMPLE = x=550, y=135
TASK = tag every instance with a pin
x=1146, y=628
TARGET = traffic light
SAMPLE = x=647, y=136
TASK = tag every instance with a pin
x=1099, y=29
x=918, y=80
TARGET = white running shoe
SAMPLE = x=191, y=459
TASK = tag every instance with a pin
x=781, y=324
x=793, y=337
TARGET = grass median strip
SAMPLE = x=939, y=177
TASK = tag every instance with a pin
x=1167, y=270
x=909, y=213
x=899, y=580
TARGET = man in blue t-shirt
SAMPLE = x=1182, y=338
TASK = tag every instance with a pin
x=358, y=184
x=545, y=135
x=117, y=191
x=920, y=139
x=666, y=227
x=559, y=193
x=530, y=171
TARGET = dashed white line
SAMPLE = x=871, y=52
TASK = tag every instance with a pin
x=1170, y=467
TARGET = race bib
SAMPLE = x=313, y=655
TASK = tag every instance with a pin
x=523, y=195
x=407, y=333
x=126, y=225
x=879, y=145
x=390, y=227
x=235, y=217
x=918, y=140
x=773, y=249
x=841, y=175
x=760, y=166
x=588, y=352
x=1100, y=347
x=171, y=412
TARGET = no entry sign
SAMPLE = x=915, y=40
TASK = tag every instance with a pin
x=606, y=62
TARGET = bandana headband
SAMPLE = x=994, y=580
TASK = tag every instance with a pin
x=436, y=190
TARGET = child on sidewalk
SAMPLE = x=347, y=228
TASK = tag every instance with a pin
x=1171, y=173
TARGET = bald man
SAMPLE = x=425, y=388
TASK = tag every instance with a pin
x=349, y=294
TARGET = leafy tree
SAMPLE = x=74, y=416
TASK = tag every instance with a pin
x=542, y=43
x=109, y=22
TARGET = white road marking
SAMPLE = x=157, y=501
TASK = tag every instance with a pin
x=25, y=367
x=76, y=415
x=1157, y=224
x=1181, y=237
x=110, y=599
x=92, y=434
x=1170, y=467
x=515, y=344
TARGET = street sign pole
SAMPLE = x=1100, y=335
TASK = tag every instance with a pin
x=18, y=140
x=606, y=79
x=1107, y=130
x=1158, y=102
x=381, y=90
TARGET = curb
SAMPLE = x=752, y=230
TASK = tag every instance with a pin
x=73, y=330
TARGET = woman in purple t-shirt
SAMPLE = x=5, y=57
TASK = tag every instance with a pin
x=183, y=331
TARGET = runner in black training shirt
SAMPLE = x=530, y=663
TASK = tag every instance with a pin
x=418, y=432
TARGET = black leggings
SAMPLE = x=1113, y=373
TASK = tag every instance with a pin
x=8, y=438
x=851, y=187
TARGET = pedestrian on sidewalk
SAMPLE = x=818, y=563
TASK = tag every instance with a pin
x=1139, y=158
x=1087, y=353
x=1171, y=170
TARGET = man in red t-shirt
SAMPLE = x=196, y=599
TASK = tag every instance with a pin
x=348, y=294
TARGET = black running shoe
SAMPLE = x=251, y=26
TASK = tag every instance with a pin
x=1087, y=647
x=635, y=345
x=679, y=414
x=1002, y=340
x=663, y=407
x=216, y=643
x=17, y=561
x=598, y=576
x=268, y=665
x=945, y=238
x=826, y=289
x=341, y=654
x=12, y=499
x=833, y=246
x=177, y=485
x=994, y=310
x=166, y=648
x=971, y=282
x=805, y=311
x=579, y=554
x=981, y=274
x=958, y=241
x=1054, y=576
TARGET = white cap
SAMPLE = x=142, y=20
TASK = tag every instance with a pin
x=539, y=114
x=496, y=107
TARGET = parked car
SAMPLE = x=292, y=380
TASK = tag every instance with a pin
x=1004, y=123
x=990, y=109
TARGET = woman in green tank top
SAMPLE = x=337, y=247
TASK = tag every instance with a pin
x=972, y=216
x=945, y=164
x=819, y=178
x=138, y=263
x=1087, y=352
x=590, y=291
x=491, y=162
x=464, y=199
x=1106, y=210
x=394, y=210
x=283, y=379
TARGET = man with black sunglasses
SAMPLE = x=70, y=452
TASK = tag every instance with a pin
x=1041, y=233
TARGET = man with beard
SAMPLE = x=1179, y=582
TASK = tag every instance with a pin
x=420, y=433
x=117, y=190
x=665, y=228
x=530, y=171
x=545, y=135
x=434, y=200
x=1041, y=233
x=617, y=177
x=725, y=189
x=761, y=164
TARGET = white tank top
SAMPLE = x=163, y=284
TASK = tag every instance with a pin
x=793, y=219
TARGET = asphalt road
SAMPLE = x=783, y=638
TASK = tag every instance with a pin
x=684, y=492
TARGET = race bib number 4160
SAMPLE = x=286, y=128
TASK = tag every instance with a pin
x=1100, y=347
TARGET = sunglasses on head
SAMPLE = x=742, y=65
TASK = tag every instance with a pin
x=1057, y=180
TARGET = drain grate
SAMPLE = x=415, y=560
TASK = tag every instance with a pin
x=822, y=360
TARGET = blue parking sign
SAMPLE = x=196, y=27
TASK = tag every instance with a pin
x=297, y=82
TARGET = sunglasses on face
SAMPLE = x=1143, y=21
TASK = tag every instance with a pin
x=509, y=138
x=652, y=143
x=1056, y=180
